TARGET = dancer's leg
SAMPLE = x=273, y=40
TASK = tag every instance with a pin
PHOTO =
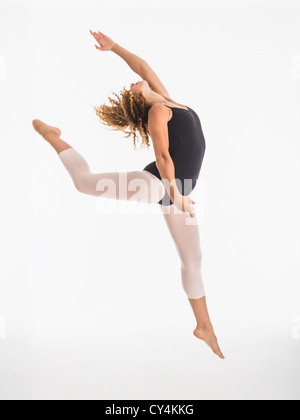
x=52, y=135
x=187, y=242
x=134, y=186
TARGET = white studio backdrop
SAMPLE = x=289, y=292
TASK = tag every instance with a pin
x=91, y=304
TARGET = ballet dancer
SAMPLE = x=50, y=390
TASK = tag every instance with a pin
x=146, y=109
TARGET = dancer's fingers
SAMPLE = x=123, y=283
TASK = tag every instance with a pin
x=95, y=35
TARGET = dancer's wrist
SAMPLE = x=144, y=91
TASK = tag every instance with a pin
x=177, y=199
x=114, y=47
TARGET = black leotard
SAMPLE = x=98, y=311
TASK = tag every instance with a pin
x=186, y=148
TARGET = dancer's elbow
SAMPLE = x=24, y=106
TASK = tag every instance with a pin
x=163, y=160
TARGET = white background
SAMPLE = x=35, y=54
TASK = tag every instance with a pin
x=91, y=304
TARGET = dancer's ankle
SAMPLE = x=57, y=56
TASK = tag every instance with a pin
x=205, y=326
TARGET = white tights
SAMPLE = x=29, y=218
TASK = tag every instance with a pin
x=187, y=241
x=124, y=186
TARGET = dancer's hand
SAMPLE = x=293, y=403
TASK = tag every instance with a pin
x=185, y=204
x=106, y=44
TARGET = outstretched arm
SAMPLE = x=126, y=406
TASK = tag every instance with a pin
x=137, y=64
x=134, y=62
x=107, y=44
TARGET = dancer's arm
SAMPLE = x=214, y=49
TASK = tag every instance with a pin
x=137, y=64
x=107, y=44
x=134, y=62
x=158, y=129
x=142, y=68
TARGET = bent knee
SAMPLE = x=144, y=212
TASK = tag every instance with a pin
x=191, y=262
x=80, y=185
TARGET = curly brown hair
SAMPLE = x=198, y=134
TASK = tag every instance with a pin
x=127, y=112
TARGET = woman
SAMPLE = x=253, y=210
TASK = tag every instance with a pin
x=179, y=147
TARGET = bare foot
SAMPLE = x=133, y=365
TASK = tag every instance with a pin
x=210, y=339
x=46, y=130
